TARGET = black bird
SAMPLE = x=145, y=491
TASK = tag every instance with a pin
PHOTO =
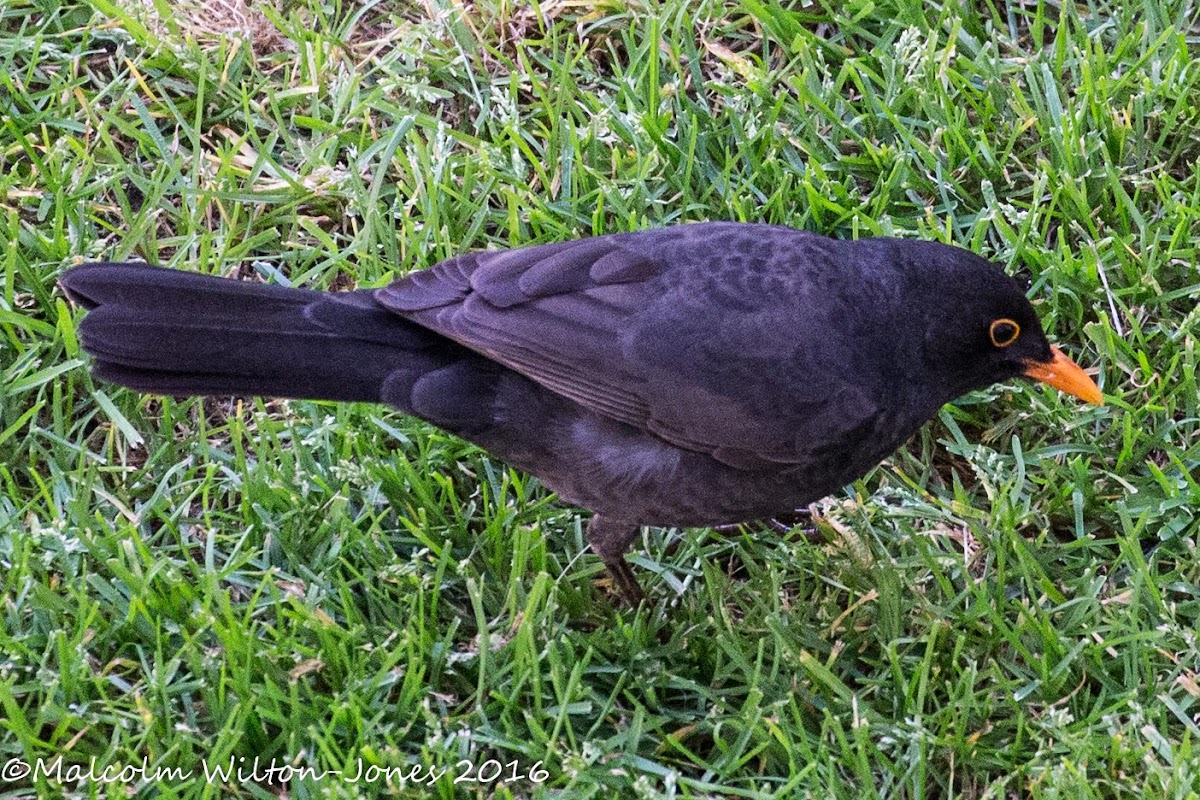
x=694, y=375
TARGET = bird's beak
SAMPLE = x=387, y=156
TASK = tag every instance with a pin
x=1064, y=374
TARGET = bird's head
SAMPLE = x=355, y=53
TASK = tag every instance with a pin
x=984, y=330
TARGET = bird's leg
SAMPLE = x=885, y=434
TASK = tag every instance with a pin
x=610, y=539
x=788, y=520
x=783, y=523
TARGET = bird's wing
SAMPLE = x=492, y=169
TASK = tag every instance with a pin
x=658, y=330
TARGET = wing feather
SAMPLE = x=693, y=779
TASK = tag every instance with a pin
x=633, y=327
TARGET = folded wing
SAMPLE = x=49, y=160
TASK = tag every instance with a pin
x=695, y=333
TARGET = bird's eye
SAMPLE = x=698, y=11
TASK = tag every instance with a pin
x=1004, y=332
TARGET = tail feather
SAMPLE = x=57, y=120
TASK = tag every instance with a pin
x=173, y=332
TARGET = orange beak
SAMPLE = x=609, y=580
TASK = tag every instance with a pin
x=1064, y=374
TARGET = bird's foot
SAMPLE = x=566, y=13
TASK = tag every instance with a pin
x=624, y=582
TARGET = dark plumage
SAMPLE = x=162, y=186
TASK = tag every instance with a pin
x=694, y=375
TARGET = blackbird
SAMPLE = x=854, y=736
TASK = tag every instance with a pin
x=693, y=375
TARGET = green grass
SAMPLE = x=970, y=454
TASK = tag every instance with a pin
x=1008, y=607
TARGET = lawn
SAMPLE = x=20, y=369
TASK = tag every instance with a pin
x=1008, y=607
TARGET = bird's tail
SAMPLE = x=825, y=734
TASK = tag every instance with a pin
x=170, y=332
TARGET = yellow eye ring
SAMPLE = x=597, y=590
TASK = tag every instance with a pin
x=1004, y=332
